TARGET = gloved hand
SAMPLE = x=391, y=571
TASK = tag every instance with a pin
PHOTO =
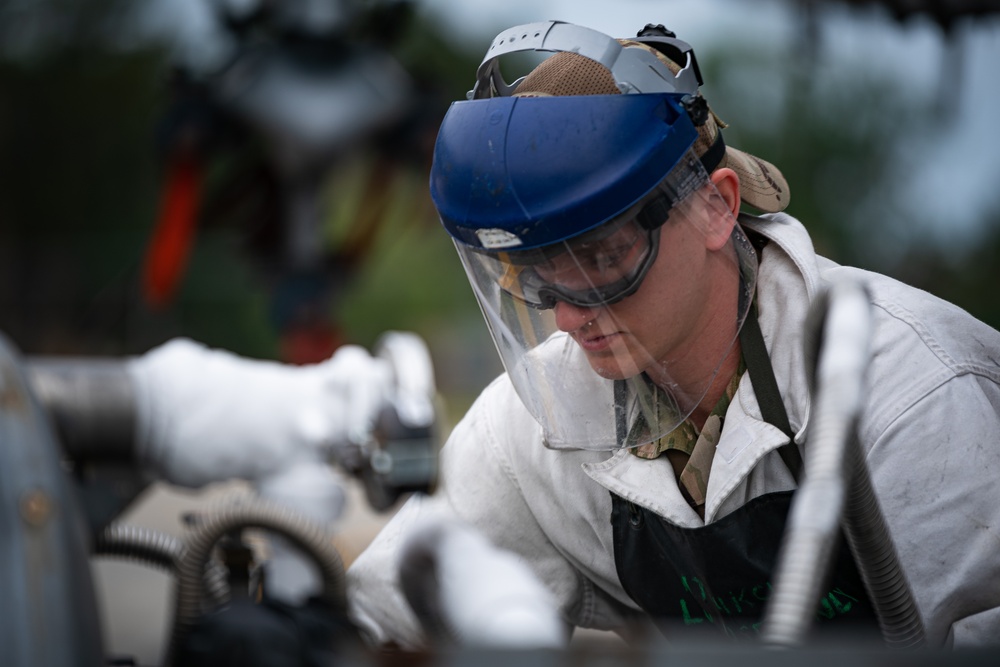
x=209, y=415
x=466, y=591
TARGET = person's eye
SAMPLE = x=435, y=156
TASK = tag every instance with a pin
x=605, y=259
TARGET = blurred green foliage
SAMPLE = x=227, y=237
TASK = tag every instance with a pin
x=77, y=189
x=968, y=279
x=834, y=131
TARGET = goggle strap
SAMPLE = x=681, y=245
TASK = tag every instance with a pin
x=711, y=158
x=655, y=213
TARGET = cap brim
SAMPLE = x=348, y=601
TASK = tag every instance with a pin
x=762, y=185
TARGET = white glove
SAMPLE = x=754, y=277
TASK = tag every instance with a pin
x=208, y=415
x=466, y=590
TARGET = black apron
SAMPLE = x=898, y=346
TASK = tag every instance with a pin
x=720, y=575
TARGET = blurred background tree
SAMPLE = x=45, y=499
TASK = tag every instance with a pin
x=84, y=102
x=835, y=126
x=77, y=173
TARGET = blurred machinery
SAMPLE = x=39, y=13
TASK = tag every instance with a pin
x=249, y=142
x=69, y=466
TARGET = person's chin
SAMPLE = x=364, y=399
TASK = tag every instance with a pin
x=613, y=367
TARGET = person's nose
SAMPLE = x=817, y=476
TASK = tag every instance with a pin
x=569, y=318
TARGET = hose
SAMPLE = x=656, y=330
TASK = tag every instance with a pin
x=150, y=547
x=139, y=544
x=837, y=487
x=301, y=532
x=878, y=562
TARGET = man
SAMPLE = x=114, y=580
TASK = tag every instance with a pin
x=625, y=453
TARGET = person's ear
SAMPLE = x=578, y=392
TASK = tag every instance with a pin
x=727, y=182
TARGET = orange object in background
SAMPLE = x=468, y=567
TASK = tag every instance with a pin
x=309, y=342
x=170, y=246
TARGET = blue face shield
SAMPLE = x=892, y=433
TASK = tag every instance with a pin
x=523, y=173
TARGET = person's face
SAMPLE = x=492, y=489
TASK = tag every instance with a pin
x=679, y=310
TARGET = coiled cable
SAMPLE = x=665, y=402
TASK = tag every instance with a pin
x=308, y=536
x=150, y=547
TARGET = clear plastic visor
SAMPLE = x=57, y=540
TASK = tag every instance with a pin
x=597, y=268
x=614, y=337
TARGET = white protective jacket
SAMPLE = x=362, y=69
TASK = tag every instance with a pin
x=930, y=434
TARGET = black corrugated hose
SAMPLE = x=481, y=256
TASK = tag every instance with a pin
x=308, y=536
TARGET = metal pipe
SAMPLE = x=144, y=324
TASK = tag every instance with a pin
x=92, y=405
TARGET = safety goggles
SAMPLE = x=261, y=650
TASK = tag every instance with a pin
x=598, y=268
x=589, y=272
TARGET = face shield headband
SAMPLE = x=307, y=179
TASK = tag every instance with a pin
x=614, y=337
x=634, y=70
